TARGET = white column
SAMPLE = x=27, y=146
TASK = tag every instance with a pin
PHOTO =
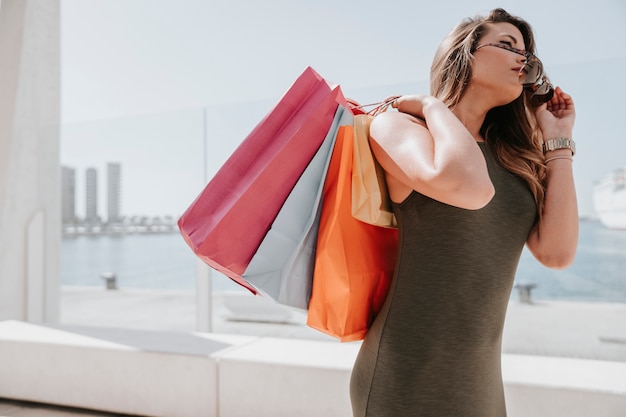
x=204, y=289
x=204, y=295
x=30, y=222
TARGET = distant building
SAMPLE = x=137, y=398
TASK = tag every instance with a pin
x=68, y=195
x=91, y=196
x=114, y=181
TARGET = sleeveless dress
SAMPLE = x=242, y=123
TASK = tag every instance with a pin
x=434, y=349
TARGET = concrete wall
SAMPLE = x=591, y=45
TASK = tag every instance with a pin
x=30, y=226
x=162, y=374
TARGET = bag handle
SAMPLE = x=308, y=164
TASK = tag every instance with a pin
x=378, y=107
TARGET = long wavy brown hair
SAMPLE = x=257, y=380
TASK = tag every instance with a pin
x=511, y=130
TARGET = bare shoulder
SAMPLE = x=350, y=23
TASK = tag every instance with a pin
x=395, y=118
x=391, y=126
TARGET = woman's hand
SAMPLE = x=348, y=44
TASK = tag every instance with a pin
x=413, y=104
x=556, y=117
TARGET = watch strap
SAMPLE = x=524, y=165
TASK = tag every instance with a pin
x=559, y=143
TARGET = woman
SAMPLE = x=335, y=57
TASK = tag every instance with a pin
x=474, y=173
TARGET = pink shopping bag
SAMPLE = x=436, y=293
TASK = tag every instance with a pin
x=227, y=222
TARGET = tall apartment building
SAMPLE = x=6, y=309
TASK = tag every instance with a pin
x=114, y=180
x=68, y=195
x=91, y=196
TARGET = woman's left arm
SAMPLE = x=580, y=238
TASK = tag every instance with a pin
x=554, y=239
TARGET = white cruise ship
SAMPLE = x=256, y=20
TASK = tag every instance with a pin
x=609, y=199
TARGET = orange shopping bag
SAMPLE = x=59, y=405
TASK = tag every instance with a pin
x=354, y=260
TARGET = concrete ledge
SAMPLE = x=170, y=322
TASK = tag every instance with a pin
x=286, y=377
x=160, y=374
x=546, y=386
x=154, y=373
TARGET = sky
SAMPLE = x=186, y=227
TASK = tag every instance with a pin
x=142, y=78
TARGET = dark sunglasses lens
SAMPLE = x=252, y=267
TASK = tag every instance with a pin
x=532, y=70
x=543, y=94
x=544, y=88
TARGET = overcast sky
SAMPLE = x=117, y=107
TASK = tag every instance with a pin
x=136, y=75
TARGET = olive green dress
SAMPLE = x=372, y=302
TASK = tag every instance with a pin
x=434, y=350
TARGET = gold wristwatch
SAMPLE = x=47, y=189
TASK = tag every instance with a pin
x=560, y=143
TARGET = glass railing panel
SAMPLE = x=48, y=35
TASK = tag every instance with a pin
x=166, y=160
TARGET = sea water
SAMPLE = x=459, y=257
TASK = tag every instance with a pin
x=164, y=261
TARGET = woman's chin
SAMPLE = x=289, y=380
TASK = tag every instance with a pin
x=510, y=98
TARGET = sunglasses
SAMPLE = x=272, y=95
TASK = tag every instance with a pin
x=540, y=92
x=534, y=80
